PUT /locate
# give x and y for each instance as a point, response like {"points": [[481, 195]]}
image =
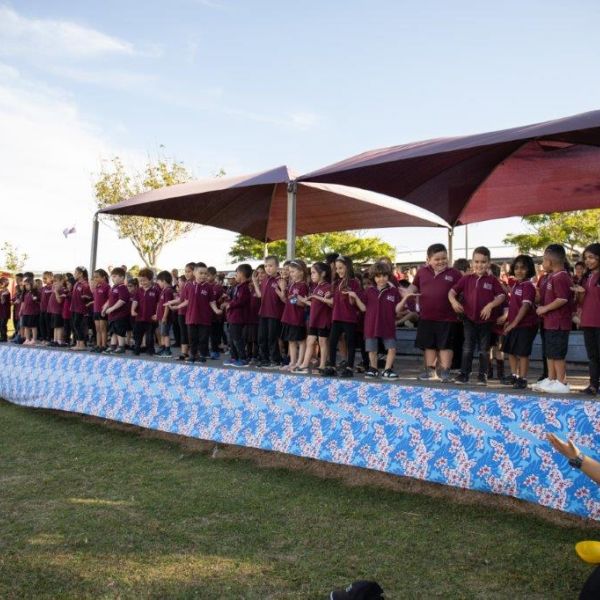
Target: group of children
{"points": [[294, 317]]}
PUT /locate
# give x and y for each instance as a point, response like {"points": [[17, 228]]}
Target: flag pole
{"points": [[94, 248]]}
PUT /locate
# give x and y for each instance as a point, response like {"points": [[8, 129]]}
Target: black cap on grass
{"points": [[359, 590]]}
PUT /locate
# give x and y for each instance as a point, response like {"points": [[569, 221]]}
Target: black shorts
{"points": [[557, 344], [98, 317], [56, 321], [293, 333], [322, 332], [119, 326], [183, 330], [435, 335], [519, 341], [251, 333], [30, 321]]}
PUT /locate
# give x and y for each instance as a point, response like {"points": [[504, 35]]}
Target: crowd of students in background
{"points": [[300, 319]]}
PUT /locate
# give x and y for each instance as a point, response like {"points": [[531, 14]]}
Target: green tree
{"points": [[148, 235], [13, 260], [574, 230], [314, 247]]}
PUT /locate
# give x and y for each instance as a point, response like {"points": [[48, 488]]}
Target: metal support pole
{"points": [[467, 242], [94, 249], [451, 246], [291, 219]]}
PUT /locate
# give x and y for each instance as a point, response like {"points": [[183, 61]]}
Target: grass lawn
{"points": [[91, 511]]}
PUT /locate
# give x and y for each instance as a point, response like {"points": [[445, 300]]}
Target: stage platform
{"points": [[489, 440]]}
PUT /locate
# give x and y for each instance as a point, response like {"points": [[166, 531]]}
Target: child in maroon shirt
{"points": [[30, 312], [521, 324], [82, 294], [45, 333], [556, 310], [216, 326], [5, 304], [143, 309], [251, 331], [118, 311], [588, 295], [55, 310], [66, 309], [100, 291], [180, 304], [164, 314], [481, 293], [344, 316]]}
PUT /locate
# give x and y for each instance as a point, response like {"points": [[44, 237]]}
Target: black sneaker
{"points": [[347, 372], [120, 350], [371, 372], [342, 365], [520, 384], [590, 390], [202, 359], [108, 350], [389, 374], [190, 359], [461, 378], [182, 357], [328, 372], [482, 379], [510, 380]]}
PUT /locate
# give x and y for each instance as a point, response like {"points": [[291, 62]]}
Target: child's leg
{"points": [[560, 368], [183, 333], [308, 353], [373, 359], [301, 352], [34, 333], [119, 340], [293, 353], [551, 369], [389, 359], [445, 359], [323, 350], [58, 334], [483, 334], [523, 368], [514, 362], [430, 357], [334, 337], [591, 337], [26, 333], [468, 347], [350, 331]]}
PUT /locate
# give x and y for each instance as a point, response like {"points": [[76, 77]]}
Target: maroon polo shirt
{"points": [[119, 292], [147, 300], [380, 316], [54, 306], [81, 295], [46, 292], [253, 314], [218, 292], [183, 295], [31, 304], [5, 304], [17, 301], [199, 296], [523, 292], [433, 302], [66, 311], [342, 309], [477, 292], [558, 286], [239, 306], [320, 313], [166, 295], [590, 309], [101, 293], [271, 305], [294, 314]]}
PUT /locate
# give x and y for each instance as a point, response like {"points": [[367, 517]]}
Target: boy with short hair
{"points": [[163, 315], [481, 293], [271, 310], [118, 311], [556, 310], [436, 329], [143, 309], [216, 327]]}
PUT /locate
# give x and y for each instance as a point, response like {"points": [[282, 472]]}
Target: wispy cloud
{"points": [[22, 36]]}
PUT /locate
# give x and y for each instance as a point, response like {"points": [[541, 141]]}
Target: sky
{"points": [[245, 86]]}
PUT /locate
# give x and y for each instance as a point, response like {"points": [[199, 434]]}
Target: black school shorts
{"points": [[119, 326], [30, 321], [557, 344], [435, 335], [56, 321], [293, 333], [322, 332], [98, 317], [519, 341]]}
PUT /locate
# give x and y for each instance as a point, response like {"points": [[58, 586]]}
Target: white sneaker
{"points": [[557, 387], [545, 385], [537, 387]]}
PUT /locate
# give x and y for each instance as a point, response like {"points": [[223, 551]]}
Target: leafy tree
{"points": [[314, 247], [574, 230], [13, 260], [148, 235]]}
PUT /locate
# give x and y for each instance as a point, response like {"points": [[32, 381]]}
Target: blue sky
{"points": [[250, 85]]}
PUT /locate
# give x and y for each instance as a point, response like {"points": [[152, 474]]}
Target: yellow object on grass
{"points": [[589, 551]]}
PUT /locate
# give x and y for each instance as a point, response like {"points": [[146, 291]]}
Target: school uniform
{"points": [[557, 323], [101, 293], [380, 316], [293, 319], [144, 325], [5, 304], [66, 315], [590, 325], [216, 326], [198, 317], [16, 302], [237, 319], [45, 326], [519, 341], [344, 319], [30, 309], [269, 324], [181, 312], [119, 319], [251, 329], [319, 318], [477, 292], [55, 309], [166, 295], [81, 295], [436, 329]]}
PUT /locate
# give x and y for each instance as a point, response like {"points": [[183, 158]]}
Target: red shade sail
{"points": [[547, 167], [256, 205]]}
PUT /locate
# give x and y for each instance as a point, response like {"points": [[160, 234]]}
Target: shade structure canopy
{"points": [[546, 167], [257, 205]]}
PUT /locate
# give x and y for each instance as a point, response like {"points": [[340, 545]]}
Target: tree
{"points": [[574, 230], [314, 247], [13, 261], [149, 236]]}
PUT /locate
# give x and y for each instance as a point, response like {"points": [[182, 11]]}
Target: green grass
{"points": [[88, 511]]}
